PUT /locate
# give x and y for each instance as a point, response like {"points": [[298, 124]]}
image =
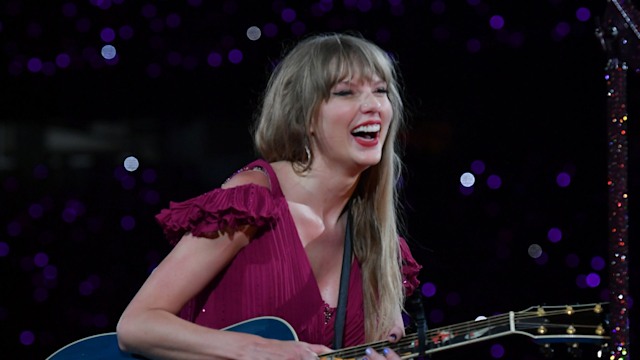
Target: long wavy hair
{"points": [[299, 84]]}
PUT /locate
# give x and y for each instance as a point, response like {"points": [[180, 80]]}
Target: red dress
{"points": [[271, 276]]}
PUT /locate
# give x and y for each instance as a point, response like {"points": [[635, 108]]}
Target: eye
{"points": [[343, 92], [382, 90]]}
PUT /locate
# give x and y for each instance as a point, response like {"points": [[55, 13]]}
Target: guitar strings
{"points": [[408, 344]]}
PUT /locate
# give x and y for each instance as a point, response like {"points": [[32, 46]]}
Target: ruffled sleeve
{"points": [[410, 269], [218, 209]]}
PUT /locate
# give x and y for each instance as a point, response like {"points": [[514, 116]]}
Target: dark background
{"points": [[78, 235]]}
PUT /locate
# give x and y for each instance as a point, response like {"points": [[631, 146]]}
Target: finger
{"points": [[311, 355], [387, 353]]}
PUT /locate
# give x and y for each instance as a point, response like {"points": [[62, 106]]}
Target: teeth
{"points": [[367, 128]]}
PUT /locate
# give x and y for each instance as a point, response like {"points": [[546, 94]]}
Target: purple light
{"points": [[128, 182], [453, 299], [298, 28], [466, 191], [41, 259], [69, 215], [34, 65], [428, 289], [496, 22], [561, 30], [128, 223], [63, 60], [50, 272], [478, 167], [583, 14], [581, 281], [154, 70], [77, 205], [288, 15], [494, 182], [563, 179], [270, 29], [326, 4], [572, 260], [40, 294], [397, 9], [597, 263], [102, 4], [593, 280], [214, 59], [36, 211], [317, 10], [438, 7], [350, 3], [235, 56], [554, 235], [542, 259], [14, 229], [364, 5], [473, 46], [27, 337], [149, 11], [85, 288], [4, 249], [107, 34], [497, 351], [173, 20], [126, 32]]}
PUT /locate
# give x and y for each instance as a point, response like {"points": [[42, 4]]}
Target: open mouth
{"points": [[367, 132]]}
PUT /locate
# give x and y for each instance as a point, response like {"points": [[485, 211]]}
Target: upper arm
{"points": [[196, 260], [192, 264]]}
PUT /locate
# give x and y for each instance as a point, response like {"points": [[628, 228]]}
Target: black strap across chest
{"points": [[344, 286]]}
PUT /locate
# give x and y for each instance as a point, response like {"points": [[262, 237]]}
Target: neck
{"points": [[325, 190]]}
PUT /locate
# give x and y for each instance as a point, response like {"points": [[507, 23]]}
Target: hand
{"points": [[286, 350], [387, 354]]}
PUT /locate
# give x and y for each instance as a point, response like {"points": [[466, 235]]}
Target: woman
{"points": [[270, 240]]}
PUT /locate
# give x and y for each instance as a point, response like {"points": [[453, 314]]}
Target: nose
{"points": [[370, 103]]}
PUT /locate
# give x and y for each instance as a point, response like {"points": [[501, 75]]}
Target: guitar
{"points": [[545, 325]]}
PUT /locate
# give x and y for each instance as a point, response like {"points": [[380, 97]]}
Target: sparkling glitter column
{"points": [[618, 208]]}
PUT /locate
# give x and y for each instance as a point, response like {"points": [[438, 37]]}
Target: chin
{"points": [[369, 161]]}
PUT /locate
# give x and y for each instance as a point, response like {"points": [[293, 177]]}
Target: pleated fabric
{"points": [[271, 276]]}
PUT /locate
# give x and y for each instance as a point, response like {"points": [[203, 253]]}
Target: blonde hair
{"points": [[297, 87]]}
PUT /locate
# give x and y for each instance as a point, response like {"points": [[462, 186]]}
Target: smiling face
{"points": [[330, 94], [352, 123]]}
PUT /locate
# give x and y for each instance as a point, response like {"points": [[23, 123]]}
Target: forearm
{"points": [[157, 334]]}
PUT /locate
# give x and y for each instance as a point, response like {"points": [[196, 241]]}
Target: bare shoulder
{"points": [[256, 176]]}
